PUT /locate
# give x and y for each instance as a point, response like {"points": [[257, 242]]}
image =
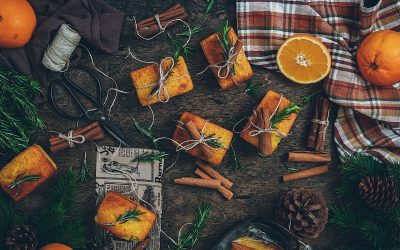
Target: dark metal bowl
{"points": [[285, 239]]}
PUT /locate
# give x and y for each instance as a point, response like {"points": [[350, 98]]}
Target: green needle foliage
{"points": [[210, 5], [130, 215], [253, 89], [19, 116], [179, 41], [307, 98], [21, 179], [214, 142], [84, 173], [54, 222], [189, 239], [151, 157], [225, 42], [283, 115], [365, 227], [147, 132]]}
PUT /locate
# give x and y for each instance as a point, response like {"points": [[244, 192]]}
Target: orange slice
{"points": [[304, 59]]}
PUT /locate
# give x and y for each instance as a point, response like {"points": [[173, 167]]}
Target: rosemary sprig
{"points": [[307, 98], [282, 115], [178, 41], [130, 215], [150, 157], [210, 4], [147, 132], [21, 179], [234, 162], [84, 173], [252, 89], [225, 42], [189, 239], [214, 142], [292, 170]]}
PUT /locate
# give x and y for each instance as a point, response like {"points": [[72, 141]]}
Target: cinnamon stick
{"points": [[305, 173], [150, 27], [198, 182], [214, 174], [312, 137], [222, 190], [323, 116], [195, 134], [309, 156], [92, 135], [142, 245], [236, 51], [54, 139], [264, 139]]}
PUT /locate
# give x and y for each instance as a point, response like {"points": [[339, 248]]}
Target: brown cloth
{"points": [[98, 23]]}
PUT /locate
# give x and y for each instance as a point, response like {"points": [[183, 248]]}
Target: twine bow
{"points": [[257, 131], [161, 88], [157, 17], [71, 138]]}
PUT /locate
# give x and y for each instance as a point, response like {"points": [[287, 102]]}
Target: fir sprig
{"points": [[19, 117], [147, 132], [188, 240], [150, 157], [279, 116], [371, 229], [130, 215]]}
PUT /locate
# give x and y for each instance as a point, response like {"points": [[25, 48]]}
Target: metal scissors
{"points": [[97, 113]]}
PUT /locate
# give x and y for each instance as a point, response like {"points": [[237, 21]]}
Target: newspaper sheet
{"points": [[146, 177]]}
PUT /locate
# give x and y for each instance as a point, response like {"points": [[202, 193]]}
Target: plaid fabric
{"points": [[263, 25]]}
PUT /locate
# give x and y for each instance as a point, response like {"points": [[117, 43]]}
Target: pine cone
{"points": [[379, 193], [21, 237], [304, 212]]}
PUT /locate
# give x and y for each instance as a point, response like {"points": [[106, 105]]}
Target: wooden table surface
{"points": [[257, 187]]}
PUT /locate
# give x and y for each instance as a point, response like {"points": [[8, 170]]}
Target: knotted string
{"points": [[257, 131], [324, 123], [161, 92], [70, 138]]}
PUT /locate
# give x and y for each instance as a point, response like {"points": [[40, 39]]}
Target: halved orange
{"points": [[304, 59]]}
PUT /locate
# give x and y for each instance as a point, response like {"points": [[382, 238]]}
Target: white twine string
{"points": [[133, 182], [70, 138], [162, 91], [56, 57], [257, 131], [324, 123]]}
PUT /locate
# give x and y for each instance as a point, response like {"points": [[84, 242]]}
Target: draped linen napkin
{"points": [[369, 120], [98, 23]]}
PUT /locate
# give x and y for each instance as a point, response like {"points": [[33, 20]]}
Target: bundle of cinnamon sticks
{"points": [[195, 134], [91, 132], [236, 51], [264, 139], [319, 123], [209, 178], [150, 26]]}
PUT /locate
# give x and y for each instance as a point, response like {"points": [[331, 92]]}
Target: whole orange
{"points": [[56, 246], [17, 23], [378, 58]]}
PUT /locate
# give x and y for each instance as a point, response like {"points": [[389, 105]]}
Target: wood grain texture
{"points": [[257, 188]]}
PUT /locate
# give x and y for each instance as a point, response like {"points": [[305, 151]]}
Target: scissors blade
{"points": [[113, 130]]}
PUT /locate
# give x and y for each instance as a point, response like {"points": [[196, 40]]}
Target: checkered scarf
{"points": [[369, 115]]}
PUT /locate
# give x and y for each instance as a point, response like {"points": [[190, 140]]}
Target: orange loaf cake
{"points": [[224, 137], [26, 172], [214, 53], [176, 83], [111, 210], [269, 102]]}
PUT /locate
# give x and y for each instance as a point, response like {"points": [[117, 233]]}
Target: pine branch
{"points": [[8, 217], [151, 157], [189, 239], [357, 167]]}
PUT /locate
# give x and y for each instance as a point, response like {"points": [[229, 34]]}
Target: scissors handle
{"points": [[73, 90]]}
